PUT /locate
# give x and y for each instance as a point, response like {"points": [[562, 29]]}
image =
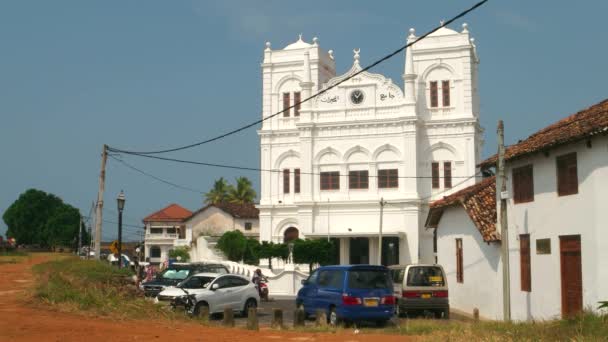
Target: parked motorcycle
{"points": [[263, 291], [187, 301]]}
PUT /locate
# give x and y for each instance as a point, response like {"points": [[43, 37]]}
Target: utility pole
{"points": [[501, 190], [382, 203], [79, 235], [328, 220], [99, 208]]}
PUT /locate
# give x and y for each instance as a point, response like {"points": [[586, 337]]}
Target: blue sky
{"points": [[145, 75]]}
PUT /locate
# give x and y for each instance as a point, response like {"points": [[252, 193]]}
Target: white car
{"points": [[217, 292]]}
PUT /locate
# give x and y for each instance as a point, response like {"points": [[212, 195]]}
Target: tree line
{"points": [[43, 219]]}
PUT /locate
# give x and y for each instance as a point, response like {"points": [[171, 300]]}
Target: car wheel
{"points": [[333, 319], [300, 306], [198, 308], [446, 313], [381, 323], [249, 304]]}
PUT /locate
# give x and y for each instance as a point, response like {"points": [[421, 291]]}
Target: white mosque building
{"points": [[335, 157]]}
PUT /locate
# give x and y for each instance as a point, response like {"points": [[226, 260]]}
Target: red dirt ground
{"points": [[20, 320]]}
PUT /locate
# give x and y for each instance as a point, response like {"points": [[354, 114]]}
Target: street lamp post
{"points": [[120, 201]]}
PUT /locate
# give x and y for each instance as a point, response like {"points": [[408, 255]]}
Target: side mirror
{"points": [[215, 287], [304, 282]]}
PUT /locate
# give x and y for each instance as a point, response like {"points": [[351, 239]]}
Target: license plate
{"points": [[370, 302], [425, 296]]}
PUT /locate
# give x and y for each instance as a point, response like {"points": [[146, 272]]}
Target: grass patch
{"points": [[585, 327], [12, 257], [93, 287]]}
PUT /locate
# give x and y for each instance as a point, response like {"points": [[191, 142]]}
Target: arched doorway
{"points": [[290, 234]]}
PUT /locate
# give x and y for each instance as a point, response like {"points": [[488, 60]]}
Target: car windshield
{"points": [[425, 276], [175, 274], [369, 279], [200, 282]]}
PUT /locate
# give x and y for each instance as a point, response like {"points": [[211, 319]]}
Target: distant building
{"points": [[337, 155], [165, 229], [216, 219], [556, 180]]}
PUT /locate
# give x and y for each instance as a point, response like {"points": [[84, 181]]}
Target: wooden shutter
{"points": [[382, 179], [334, 180], [524, 262], [296, 181], [324, 180], [286, 104], [286, 181], [296, 102], [523, 184], [434, 99], [393, 178], [567, 175], [435, 174], [459, 266], [445, 92], [447, 175]]}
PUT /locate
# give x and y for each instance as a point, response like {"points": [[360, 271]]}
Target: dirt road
{"points": [[22, 319]]}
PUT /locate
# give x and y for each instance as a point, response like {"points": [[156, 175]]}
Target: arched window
{"points": [[291, 234], [154, 252]]}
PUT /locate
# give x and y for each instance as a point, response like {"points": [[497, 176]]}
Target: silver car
{"points": [[216, 292], [419, 288]]}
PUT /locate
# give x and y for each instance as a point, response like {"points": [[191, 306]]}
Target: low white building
{"points": [[557, 179], [214, 220], [165, 230], [335, 157]]}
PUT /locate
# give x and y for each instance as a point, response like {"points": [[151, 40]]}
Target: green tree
{"points": [[252, 252], [313, 251], [243, 192], [219, 192], [182, 252], [233, 244], [266, 252], [37, 217]]}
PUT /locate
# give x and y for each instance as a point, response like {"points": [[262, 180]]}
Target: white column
{"points": [[344, 251]]}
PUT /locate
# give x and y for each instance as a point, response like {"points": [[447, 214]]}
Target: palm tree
{"points": [[219, 192], [243, 192]]}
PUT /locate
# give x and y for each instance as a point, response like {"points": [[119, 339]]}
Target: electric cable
{"points": [[324, 90]]}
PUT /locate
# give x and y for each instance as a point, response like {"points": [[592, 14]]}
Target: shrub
{"points": [[233, 244]]}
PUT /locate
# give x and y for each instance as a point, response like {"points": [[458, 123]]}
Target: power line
{"points": [[246, 168], [155, 177], [381, 60]]}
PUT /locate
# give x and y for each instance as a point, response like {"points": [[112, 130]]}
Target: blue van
{"points": [[349, 293]]}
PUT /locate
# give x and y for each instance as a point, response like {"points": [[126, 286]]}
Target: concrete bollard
{"points": [[252, 319], [476, 314], [299, 318], [321, 318], [277, 319], [228, 318]]}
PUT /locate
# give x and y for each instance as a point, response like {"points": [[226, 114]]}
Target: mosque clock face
{"points": [[356, 96]]}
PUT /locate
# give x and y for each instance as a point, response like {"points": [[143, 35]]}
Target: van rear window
{"points": [[369, 279], [425, 276]]}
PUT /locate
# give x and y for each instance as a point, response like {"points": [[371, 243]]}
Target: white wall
{"points": [[550, 216], [215, 222], [383, 131], [481, 286]]}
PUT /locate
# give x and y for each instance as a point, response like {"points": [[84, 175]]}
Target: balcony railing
{"points": [[161, 236]]}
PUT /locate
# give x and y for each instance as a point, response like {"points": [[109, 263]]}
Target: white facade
{"points": [[367, 123], [213, 221], [161, 237], [482, 266], [548, 216]]}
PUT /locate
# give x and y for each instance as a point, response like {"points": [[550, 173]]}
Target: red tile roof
{"points": [[478, 200], [173, 212], [585, 123], [242, 211]]}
